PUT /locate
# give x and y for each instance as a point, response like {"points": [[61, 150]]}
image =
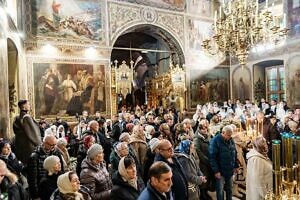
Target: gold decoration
{"points": [[239, 26]]}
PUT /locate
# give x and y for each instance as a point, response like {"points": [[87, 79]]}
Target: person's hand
{"points": [[203, 179], [218, 175], [235, 170]]}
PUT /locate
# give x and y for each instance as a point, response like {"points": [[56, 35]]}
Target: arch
{"points": [[161, 31]]}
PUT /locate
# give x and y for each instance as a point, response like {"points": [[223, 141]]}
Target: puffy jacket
{"points": [[96, 179], [222, 156]]}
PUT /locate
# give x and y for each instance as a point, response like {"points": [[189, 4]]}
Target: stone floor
{"points": [[242, 191]]}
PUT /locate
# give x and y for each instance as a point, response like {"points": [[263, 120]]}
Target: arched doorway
{"points": [[150, 48], [12, 61]]}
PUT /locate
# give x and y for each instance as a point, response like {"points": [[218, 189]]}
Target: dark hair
{"points": [[21, 103], [128, 161], [159, 168], [71, 173], [3, 143]]}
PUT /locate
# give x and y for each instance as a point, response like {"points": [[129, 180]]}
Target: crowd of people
{"points": [[145, 153]]}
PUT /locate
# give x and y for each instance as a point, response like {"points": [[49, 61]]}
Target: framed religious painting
{"points": [[209, 86], [241, 83], [66, 89]]}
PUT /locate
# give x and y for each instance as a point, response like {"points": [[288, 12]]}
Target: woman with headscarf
{"points": [[125, 181], [69, 188], [61, 146], [120, 150], [48, 183], [60, 133], [192, 171], [259, 170], [138, 143], [94, 174]]}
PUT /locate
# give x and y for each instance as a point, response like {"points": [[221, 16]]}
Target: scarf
{"points": [[124, 174]]}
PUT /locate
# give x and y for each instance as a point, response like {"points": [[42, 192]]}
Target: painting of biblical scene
{"points": [[197, 32], [294, 18], [203, 8], [209, 86], [168, 4], [67, 89], [74, 19], [241, 83], [293, 81]]}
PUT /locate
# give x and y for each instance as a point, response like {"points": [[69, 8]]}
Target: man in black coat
{"points": [[27, 132]]}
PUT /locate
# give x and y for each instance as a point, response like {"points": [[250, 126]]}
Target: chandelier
{"points": [[239, 26]]}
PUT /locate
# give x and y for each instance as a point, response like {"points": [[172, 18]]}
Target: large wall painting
{"points": [[203, 8], [293, 81], [67, 89], [209, 86], [168, 4], [294, 17], [74, 19], [241, 83]]}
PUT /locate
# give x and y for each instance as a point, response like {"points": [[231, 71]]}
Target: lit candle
{"points": [[229, 7], [233, 25], [215, 21], [220, 12], [245, 4], [267, 3], [284, 20]]}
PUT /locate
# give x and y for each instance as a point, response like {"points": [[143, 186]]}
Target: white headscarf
{"points": [[124, 174], [65, 187]]}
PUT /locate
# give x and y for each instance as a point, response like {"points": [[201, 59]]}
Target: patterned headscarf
{"points": [[184, 146]]}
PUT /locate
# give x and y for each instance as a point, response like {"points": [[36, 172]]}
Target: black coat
{"points": [[122, 190], [47, 186]]}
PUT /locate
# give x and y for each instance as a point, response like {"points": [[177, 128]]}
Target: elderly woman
{"points": [[125, 181], [138, 143], [192, 171], [259, 170], [120, 150], [61, 146], [69, 188], [48, 183], [88, 141], [94, 174]]}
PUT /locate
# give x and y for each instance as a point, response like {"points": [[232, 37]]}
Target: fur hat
{"points": [[153, 143], [94, 150], [49, 163]]}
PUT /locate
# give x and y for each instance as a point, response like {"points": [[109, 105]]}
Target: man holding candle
{"points": [[223, 160]]}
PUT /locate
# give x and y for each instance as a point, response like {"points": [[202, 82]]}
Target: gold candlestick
{"points": [[276, 167], [297, 170]]}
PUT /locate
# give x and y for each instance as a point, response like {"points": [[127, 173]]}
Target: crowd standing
{"points": [[145, 153]]}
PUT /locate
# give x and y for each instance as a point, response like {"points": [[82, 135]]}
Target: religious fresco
{"points": [[203, 8], [209, 86], [74, 19], [241, 83], [294, 17], [67, 89], [168, 4], [197, 31], [293, 81]]}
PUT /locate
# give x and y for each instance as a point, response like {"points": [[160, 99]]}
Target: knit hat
{"points": [[153, 143], [123, 136], [148, 130], [49, 163], [184, 146], [94, 150]]}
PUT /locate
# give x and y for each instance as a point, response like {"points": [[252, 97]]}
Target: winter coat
{"points": [[223, 156], [148, 162], [180, 183], [192, 172], [259, 175], [13, 164], [139, 147], [56, 195], [36, 170], [47, 186], [96, 179], [81, 155], [149, 193], [201, 146], [27, 136], [122, 190], [12, 188]]}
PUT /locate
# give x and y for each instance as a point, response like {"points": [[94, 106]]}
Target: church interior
{"points": [[193, 66]]}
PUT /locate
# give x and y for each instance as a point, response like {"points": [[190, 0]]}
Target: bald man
{"points": [[35, 163]]}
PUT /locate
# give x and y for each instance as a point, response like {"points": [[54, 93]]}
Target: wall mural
{"points": [[168, 4], [293, 83], [201, 7], [67, 89], [241, 83], [294, 17], [74, 19], [209, 86]]}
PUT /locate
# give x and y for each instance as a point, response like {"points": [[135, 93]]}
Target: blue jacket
{"points": [[222, 156], [149, 193]]}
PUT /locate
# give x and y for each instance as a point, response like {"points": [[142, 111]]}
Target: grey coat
{"points": [[27, 136], [96, 179]]}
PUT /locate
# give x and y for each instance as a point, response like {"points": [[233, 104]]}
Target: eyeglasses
{"points": [[51, 145], [168, 149]]}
